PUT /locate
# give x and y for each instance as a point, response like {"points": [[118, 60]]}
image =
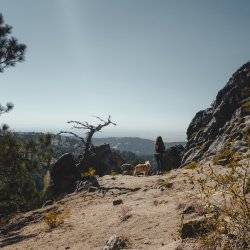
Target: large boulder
{"points": [[127, 169], [64, 174], [173, 157], [226, 122], [115, 243], [103, 160], [195, 227]]}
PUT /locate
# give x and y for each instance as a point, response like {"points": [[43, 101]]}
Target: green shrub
{"points": [[19, 159]]}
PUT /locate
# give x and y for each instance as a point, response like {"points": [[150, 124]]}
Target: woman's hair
{"points": [[159, 140], [159, 145]]}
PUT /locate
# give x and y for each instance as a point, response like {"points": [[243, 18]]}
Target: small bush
{"points": [[114, 173], [192, 165], [224, 154], [90, 172], [54, 219]]}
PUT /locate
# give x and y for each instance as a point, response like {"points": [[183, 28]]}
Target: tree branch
{"points": [[74, 134]]}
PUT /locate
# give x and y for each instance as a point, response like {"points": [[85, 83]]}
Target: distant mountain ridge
{"points": [[136, 145]]}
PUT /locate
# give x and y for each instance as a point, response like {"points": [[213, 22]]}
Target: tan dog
{"points": [[143, 168]]}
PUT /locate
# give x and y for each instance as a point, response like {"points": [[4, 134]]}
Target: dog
{"points": [[143, 168], [127, 169]]}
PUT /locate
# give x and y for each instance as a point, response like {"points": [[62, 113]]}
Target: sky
{"points": [[150, 64]]}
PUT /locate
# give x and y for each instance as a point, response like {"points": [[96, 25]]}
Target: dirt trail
{"points": [[149, 216]]}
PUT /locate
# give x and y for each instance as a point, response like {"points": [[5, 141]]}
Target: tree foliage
{"points": [[19, 162], [11, 51]]}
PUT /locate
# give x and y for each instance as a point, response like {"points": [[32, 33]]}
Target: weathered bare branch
{"points": [[91, 130], [74, 134]]}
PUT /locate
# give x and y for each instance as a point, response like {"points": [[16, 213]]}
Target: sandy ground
{"points": [[148, 218]]}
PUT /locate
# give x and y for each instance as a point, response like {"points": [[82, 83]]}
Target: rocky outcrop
{"points": [[87, 183], [225, 123], [103, 160], [64, 174], [173, 157]]}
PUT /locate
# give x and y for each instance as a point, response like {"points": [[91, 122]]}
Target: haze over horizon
{"points": [[150, 64]]}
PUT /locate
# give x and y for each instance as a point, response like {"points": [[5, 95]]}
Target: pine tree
{"points": [[11, 51], [20, 159]]}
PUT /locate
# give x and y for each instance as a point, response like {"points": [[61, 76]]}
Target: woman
{"points": [[159, 151]]}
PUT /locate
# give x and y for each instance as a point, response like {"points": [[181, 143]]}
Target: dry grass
{"points": [[226, 196]]}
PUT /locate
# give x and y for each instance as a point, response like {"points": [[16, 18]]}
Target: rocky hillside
{"points": [[226, 124]]}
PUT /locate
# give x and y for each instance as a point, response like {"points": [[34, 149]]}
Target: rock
{"points": [[64, 174], [103, 160], [195, 227], [87, 183], [117, 202], [114, 243], [127, 169], [189, 209], [240, 146], [92, 189], [226, 122], [223, 162], [47, 203], [172, 157]]}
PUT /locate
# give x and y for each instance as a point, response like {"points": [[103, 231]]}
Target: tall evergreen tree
{"points": [[20, 160], [11, 51]]}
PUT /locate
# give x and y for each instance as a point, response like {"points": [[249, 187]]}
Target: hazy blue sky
{"points": [[151, 64]]}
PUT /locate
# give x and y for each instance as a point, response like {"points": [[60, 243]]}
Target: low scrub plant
{"points": [[89, 173], [192, 165], [55, 218], [226, 195], [225, 154], [114, 173]]}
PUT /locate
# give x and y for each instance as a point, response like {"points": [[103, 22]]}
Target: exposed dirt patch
{"points": [[149, 216]]}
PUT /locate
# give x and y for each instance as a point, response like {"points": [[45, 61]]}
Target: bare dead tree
{"points": [[91, 130]]}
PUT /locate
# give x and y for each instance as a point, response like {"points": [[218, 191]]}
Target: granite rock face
{"points": [[103, 160], [226, 122], [173, 157]]}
